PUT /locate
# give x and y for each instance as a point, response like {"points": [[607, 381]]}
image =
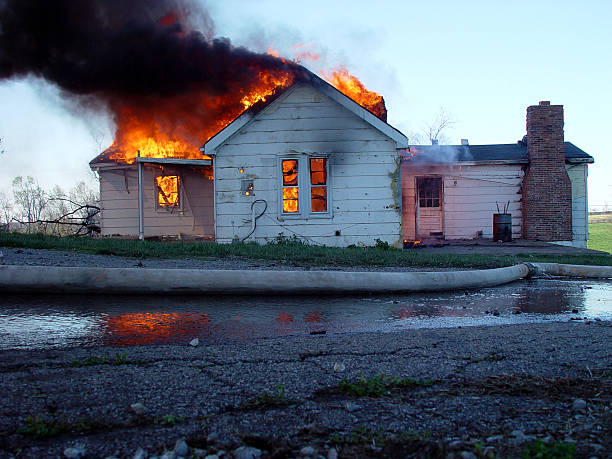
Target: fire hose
{"points": [[45, 279]]}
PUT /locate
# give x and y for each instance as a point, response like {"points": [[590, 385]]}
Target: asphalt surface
{"points": [[493, 389]]}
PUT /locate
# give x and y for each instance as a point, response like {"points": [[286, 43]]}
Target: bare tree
{"points": [[434, 131], [1, 148], [6, 211], [30, 200]]}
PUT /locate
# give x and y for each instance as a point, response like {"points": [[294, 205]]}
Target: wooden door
{"points": [[429, 207]]}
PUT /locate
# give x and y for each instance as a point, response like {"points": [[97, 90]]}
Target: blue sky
{"points": [[483, 62]]}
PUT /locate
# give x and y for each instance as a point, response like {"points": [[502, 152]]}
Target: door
{"points": [[429, 207]]}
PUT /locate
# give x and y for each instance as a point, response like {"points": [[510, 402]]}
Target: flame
{"points": [[290, 199], [177, 126], [167, 190], [350, 86]]}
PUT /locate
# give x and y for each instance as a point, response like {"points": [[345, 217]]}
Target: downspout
{"points": [[140, 201]]}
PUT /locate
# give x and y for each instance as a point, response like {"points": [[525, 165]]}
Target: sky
{"points": [[482, 62]]}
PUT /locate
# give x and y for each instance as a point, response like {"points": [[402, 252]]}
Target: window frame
{"points": [[304, 186], [179, 192]]}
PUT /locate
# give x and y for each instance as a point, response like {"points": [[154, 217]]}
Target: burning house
{"points": [[218, 142], [313, 163]]}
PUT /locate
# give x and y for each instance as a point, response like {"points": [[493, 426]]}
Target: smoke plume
{"points": [[162, 81]]}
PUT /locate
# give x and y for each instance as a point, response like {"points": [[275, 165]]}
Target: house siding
{"points": [[303, 123], [578, 177], [119, 198], [471, 195]]}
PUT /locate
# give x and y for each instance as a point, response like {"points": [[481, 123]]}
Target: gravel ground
{"points": [[494, 390], [475, 392]]}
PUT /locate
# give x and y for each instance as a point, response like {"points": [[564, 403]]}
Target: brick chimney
{"points": [[547, 191]]}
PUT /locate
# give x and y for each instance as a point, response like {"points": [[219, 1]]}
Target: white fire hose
{"points": [[195, 281]]}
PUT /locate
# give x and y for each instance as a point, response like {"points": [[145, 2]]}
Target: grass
{"points": [[266, 399], [540, 450], [600, 236], [380, 385], [283, 251], [119, 359], [38, 427], [169, 420], [363, 435]]}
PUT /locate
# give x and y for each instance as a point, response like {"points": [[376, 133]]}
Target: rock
{"points": [[332, 454], [74, 453], [211, 456], [579, 405], [518, 437], [246, 452], [181, 448], [168, 455], [308, 451], [467, 455], [455, 444], [350, 407], [339, 367], [496, 314], [212, 437], [138, 408], [140, 454], [194, 342], [495, 438]]}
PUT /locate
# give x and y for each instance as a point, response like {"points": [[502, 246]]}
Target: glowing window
{"points": [[290, 186], [167, 190], [318, 184]]}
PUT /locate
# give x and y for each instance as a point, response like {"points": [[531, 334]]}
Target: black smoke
{"points": [[119, 47]]}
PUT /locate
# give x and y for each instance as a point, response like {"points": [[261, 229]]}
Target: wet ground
{"points": [[50, 321]]}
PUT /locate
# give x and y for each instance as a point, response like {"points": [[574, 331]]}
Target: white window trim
{"points": [[304, 202]]}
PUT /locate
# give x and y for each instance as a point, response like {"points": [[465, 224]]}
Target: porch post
{"points": [[140, 201]]}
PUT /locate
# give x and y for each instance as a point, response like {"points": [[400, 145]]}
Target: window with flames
{"points": [[167, 191], [304, 193]]}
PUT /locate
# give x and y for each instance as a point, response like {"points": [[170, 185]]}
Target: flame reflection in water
{"points": [[45, 321]]}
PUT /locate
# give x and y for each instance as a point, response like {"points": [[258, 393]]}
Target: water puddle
{"points": [[46, 321]]}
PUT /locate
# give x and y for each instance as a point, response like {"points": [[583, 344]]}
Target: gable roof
{"points": [[320, 85], [495, 153]]}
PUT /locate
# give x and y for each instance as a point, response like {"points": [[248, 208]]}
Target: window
{"points": [[429, 191], [291, 202], [318, 184], [167, 187], [304, 186]]}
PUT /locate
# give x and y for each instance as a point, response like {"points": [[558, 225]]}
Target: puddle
{"points": [[46, 321]]}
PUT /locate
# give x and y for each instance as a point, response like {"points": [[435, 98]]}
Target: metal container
{"points": [[502, 227]]}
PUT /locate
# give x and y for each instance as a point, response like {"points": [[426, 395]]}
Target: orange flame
{"points": [[167, 190], [350, 86], [177, 126]]}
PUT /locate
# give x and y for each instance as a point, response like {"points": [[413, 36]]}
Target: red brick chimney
{"points": [[547, 191]]}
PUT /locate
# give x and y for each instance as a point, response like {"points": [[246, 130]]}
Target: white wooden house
{"points": [[315, 164]]}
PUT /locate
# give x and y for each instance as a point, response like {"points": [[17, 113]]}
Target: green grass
{"points": [[266, 399], [600, 236], [283, 251], [119, 359], [540, 450], [380, 385]]}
